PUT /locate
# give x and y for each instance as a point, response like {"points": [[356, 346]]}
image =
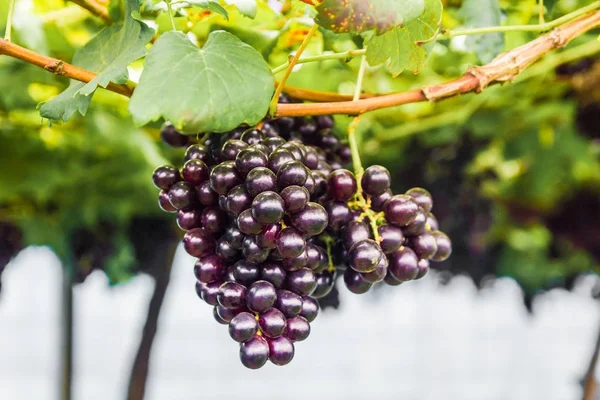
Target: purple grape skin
{"points": [[172, 137], [310, 308], [274, 273], [378, 202], [292, 173], [278, 158], [198, 242], [297, 329], [302, 282], [218, 318], [209, 269], [379, 273], [418, 226], [245, 272], [338, 214], [290, 243], [247, 224], [312, 220], [267, 208], [325, 282], [320, 188], [165, 176], [195, 172], [209, 292], [390, 280], [272, 323], [225, 250], [243, 327], [391, 238], [295, 263], [324, 122], [260, 180], [189, 219], [253, 136], [296, 148], [423, 269], [266, 239], [224, 177], [261, 296], [432, 222], [365, 255], [317, 257], [289, 303], [248, 159], [213, 219], [206, 195], [376, 180], [235, 237], [401, 210], [231, 149], [252, 252], [355, 282], [444, 246], [355, 232], [422, 198], [254, 353], [424, 245], [281, 350], [232, 295], [238, 200], [230, 274], [198, 152], [403, 264], [182, 195], [342, 185], [311, 159], [164, 203], [295, 198]]}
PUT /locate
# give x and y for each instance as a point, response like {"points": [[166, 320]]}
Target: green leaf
{"points": [[358, 16], [213, 89], [480, 14], [246, 7], [210, 5], [401, 47], [108, 54]]}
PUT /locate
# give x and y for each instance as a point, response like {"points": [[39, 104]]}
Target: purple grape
{"points": [[278, 158], [247, 224], [224, 177], [209, 269], [213, 219], [423, 269], [198, 152], [390, 280], [261, 296], [218, 318], [254, 353], [235, 237], [182, 195], [295, 263], [260, 180], [292, 173], [289, 303], [238, 200], [297, 329], [379, 273], [290, 243], [225, 250], [422, 198], [444, 246], [253, 136], [338, 214], [248, 159], [296, 148], [342, 185], [198, 242], [274, 273], [355, 232], [432, 222], [245, 272], [311, 160], [310, 308], [272, 323], [295, 198], [391, 238], [403, 264], [195, 172], [325, 282], [273, 142], [231, 149], [166, 176], [376, 180], [365, 255], [418, 226], [252, 251], [401, 210], [378, 202], [232, 295], [320, 188], [206, 195], [281, 350], [312, 220], [355, 282], [267, 238], [227, 314], [324, 122], [172, 137], [424, 245], [243, 327], [302, 281], [317, 258], [267, 208], [164, 203], [189, 219], [209, 292]]}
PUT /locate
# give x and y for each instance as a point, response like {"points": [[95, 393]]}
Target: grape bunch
{"points": [[272, 216]]}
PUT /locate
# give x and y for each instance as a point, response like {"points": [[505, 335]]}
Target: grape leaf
{"points": [[213, 89], [210, 5], [357, 16], [479, 14], [108, 53], [400, 47], [246, 7]]}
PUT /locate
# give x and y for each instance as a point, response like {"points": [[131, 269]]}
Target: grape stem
{"points": [[9, 18], [290, 67], [346, 55], [95, 8]]}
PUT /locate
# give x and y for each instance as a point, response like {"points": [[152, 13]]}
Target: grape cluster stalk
{"points": [[272, 217]]}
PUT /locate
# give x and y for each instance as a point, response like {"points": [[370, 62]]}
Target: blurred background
{"points": [[86, 256]]}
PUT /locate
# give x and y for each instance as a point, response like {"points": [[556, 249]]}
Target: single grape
{"points": [[245, 272], [230, 274], [226, 314], [213, 219], [297, 329], [311, 160], [289, 303], [198, 242], [252, 252], [281, 350], [164, 203], [310, 308], [292, 173], [243, 327], [254, 353], [391, 238], [272, 323], [422, 197], [238, 200], [253, 136], [260, 147], [310, 183], [378, 202], [312, 220], [295, 263], [182, 195], [296, 148], [260, 180], [355, 232], [324, 122], [317, 258], [403, 264], [355, 282], [376, 180], [423, 269], [320, 188], [342, 185], [224, 177], [418, 226], [365, 255], [267, 208], [189, 219], [338, 214], [218, 318], [302, 281], [198, 152], [261, 296], [206, 195], [166, 176], [267, 238], [274, 273], [235, 237], [209, 291], [225, 250], [401, 210], [432, 223], [290, 243], [248, 159], [325, 282], [247, 224], [278, 158], [444, 246], [424, 245], [232, 295], [195, 172], [231, 149], [273, 142], [173, 137], [391, 280], [209, 269], [295, 198], [379, 273]]}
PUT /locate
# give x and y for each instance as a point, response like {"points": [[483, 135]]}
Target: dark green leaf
{"points": [[480, 14]]}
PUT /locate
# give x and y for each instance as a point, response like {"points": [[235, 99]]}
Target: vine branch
{"points": [[95, 8]]}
